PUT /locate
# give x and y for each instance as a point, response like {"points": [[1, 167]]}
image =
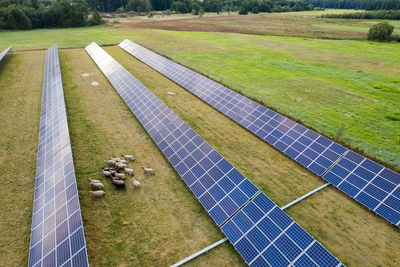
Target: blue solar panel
{"points": [[310, 149], [57, 236], [221, 188], [265, 235], [313, 151], [5, 53], [369, 183]]}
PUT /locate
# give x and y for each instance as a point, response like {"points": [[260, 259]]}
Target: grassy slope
{"points": [[354, 234], [20, 98]]}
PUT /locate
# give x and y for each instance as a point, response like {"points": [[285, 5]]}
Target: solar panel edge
{"points": [[5, 53], [123, 45], [159, 141], [68, 196], [88, 49], [313, 165], [267, 210]]}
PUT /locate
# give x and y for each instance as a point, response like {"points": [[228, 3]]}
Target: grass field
{"points": [[301, 24], [20, 98], [323, 83], [165, 223]]}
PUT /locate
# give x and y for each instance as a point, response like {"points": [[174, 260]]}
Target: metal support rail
{"points": [[206, 249]]}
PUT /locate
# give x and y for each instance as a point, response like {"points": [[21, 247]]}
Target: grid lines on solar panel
{"points": [[220, 187], [4, 53], [266, 236], [313, 151], [310, 149], [371, 184], [57, 236]]}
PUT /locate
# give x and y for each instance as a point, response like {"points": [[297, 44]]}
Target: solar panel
{"points": [[57, 235], [312, 150], [266, 236], [221, 188], [4, 53], [369, 183]]}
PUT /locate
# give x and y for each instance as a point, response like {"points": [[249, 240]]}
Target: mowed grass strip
{"points": [[354, 234], [20, 100], [157, 225]]}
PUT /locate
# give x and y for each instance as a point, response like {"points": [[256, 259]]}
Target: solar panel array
{"points": [[221, 188], [369, 183], [4, 53], [310, 149], [57, 235], [266, 236]]}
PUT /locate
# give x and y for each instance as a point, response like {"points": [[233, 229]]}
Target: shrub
{"points": [[380, 32], [150, 15], [194, 12], [18, 20], [201, 12], [96, 19], [255, 10]]}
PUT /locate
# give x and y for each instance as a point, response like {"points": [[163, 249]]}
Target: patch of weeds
{"points": [[393, 117], [384, 87]]}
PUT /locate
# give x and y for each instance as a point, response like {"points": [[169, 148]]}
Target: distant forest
{"points": [[187, 6], [28, 14], [356, 4]]}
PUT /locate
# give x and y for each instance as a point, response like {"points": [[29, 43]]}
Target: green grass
{"points": [[165, 221], [322, 83], [20, 97], [344, 226]]}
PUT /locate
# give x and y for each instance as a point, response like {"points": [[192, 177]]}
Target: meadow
{"points": [[322, 83]]}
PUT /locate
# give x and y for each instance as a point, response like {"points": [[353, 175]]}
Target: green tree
{"points": [[17, 19], [380, 32], [96, 19]]}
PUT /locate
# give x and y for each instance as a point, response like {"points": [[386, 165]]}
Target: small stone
{"points": [[85, 74], [347, 115], [125, 223], [171, 93], [94, 83]]}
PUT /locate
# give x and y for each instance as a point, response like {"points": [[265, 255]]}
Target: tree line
{"points": [[356, 4], [33, 14], [376, 14], [195, 6]]}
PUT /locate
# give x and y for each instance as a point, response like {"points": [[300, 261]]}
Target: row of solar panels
{"points": [[4, 53], [371, 184], [262, 233], [57, 235]]}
